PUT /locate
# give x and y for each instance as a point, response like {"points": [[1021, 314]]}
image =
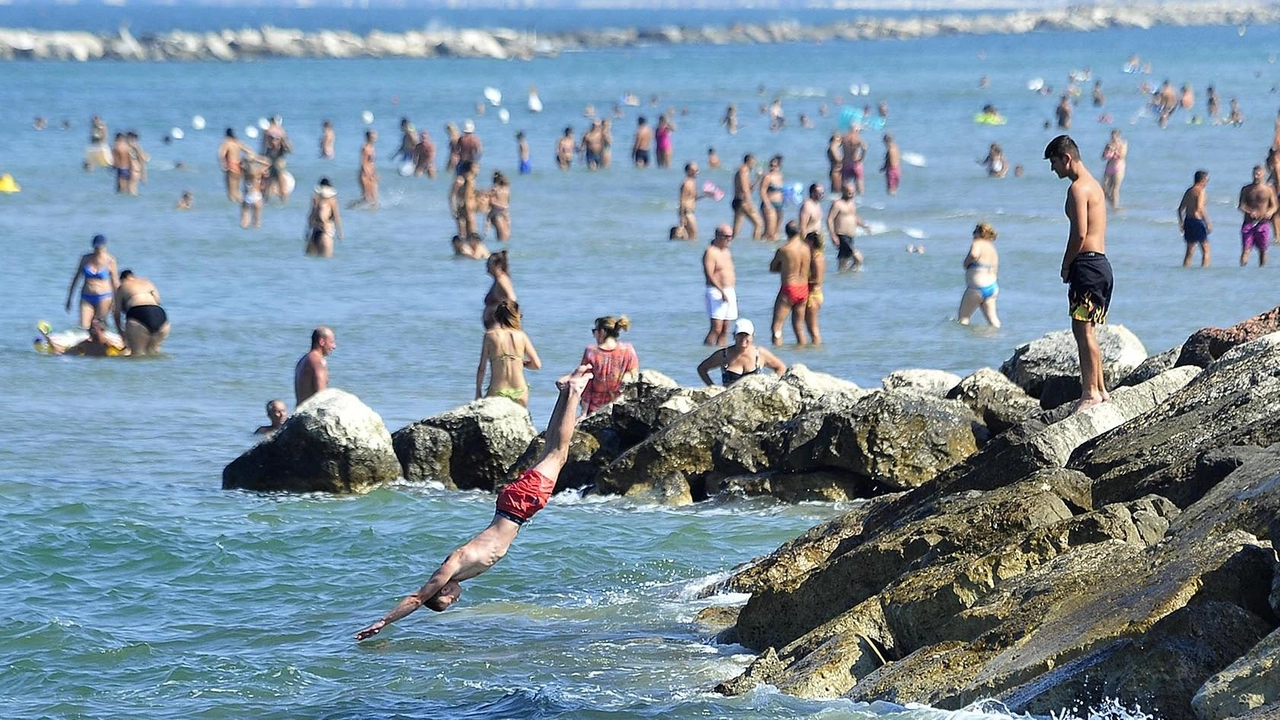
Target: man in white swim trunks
{"points": [[722, 301]]}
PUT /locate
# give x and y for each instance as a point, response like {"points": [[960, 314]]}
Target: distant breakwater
{"points": [[501, 43]]}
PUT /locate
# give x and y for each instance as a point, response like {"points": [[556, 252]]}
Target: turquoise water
{"points": [[134, 586]]}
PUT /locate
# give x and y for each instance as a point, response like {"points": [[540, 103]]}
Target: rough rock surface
{"points": [[897, 439], [1233, 401], [486, 438], [1055, 355], [932, 382], [994, 399], [1034, 445], [332, 443], [1208, 344], [1249, 684], [721, 435], [424, 453]]}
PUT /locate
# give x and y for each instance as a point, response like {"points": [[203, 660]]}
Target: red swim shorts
{"points": [[523, 498]]}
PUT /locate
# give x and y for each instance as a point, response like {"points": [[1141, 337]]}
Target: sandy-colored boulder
{"points": [[995, 399], [930, 382], [332, 443], [1208, 344]]}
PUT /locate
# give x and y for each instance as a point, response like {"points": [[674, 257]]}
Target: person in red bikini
{"points": [[517, 503]]}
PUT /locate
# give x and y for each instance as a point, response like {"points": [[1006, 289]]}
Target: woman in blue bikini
{"points": [[98, 280], [980, 267]]}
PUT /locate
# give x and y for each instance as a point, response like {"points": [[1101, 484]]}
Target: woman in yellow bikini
{"points": [[506, 351]]}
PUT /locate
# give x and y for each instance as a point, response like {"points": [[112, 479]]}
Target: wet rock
{"points": [[818, 486], [332, 443], [1055, 355], [1208, 344], [486, 438], [424, 452]]}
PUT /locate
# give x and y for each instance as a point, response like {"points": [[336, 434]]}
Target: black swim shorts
{"points": [[846, 247], [1090, 285]]}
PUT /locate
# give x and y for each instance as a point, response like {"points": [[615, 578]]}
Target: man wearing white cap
{"points": [[469, 147]]}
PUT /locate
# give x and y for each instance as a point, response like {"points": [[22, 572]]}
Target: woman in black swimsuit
{"points": [[740, 359]]}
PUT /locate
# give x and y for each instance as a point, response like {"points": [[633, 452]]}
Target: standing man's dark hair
{"points": [[1062, 146]]}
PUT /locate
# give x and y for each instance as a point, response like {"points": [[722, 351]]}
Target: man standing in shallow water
{"points": [[1085, 267], [722, 299], [1258, 204], [1194, 219], [311, 374]]}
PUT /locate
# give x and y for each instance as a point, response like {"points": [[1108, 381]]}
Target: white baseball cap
{"points": [[468, 126], [744, 325]]}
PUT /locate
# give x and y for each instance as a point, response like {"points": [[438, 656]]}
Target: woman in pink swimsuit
{"points": [[662, 139]]}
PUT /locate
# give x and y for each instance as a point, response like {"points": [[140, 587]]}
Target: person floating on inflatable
{"points": [[989, 116]]}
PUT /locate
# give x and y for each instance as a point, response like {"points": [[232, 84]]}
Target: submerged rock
{"points": [[332, 443]]}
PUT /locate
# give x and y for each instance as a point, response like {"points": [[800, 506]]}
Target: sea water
{"points": [[134, 586]]}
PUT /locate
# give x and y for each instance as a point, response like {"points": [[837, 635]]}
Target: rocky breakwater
{"points": [[502, 43], [1120, 552]]}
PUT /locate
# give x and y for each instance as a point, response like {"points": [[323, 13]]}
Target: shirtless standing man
{"points": [[810, 213], [1258, 204], [230, 154], [424, 156], [368, 176], [1194, 220], [743, 207], [892, 167], [122, 161], [687, 218], [843, 223], [792, 261], [517, 503], [1085, 267], [327, 140], [722, 299], [643, 141], [522, 153], [311, 374], [854, 151], [469, 147]]}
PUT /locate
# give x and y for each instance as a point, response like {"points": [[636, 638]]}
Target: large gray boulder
{"points": [[486, 437], [1233, 401], [898, 439], [425, 452], [1055, 355], [332, 443]]}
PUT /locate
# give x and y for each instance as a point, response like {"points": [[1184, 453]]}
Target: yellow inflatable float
{"points": [[8, 184]]}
